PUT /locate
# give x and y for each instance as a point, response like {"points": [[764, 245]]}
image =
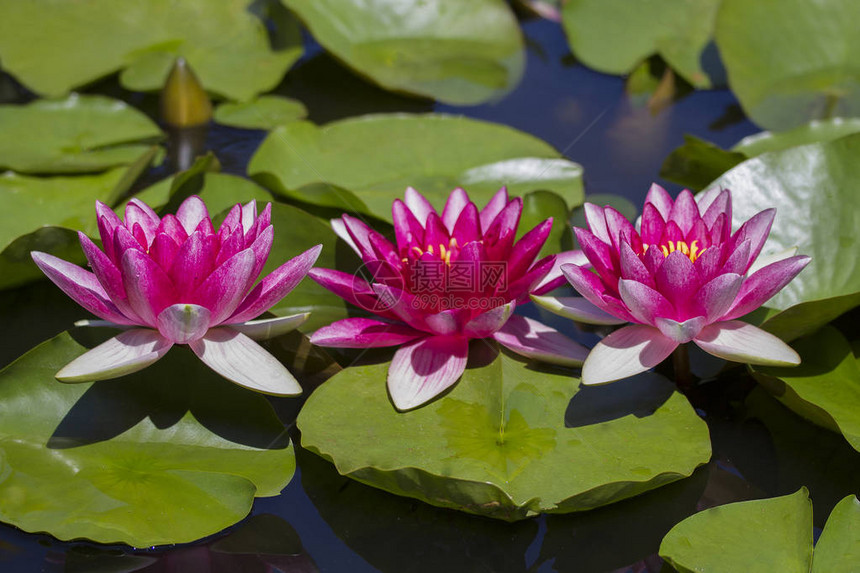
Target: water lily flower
{"points": [[176, 280], [449, 279], [682, 277]]}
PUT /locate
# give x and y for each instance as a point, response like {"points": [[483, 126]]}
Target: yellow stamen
{"points": [[430, 249], [665, 250], [418, 251], [692, 250], [444, 254], [453, 243]]}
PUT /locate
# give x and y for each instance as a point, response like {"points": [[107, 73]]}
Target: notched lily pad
{"points": [[462, 53], [766, 535], [363, 164], [509, 441], [825, 388], [167, 455], [78, 134], [816, 190], [265, 112]]}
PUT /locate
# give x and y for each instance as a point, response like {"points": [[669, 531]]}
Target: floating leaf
{"points": [[615, 36], [825, 388], [44, 213], [461, 53], [697, 163], [82, 133], [766, 535], [815, 75], [813, 132], [816, 189], [167, 455], [508, 441], [377, 157], [78, 42], [265, 112]]}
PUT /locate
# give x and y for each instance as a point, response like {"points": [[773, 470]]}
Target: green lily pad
{"points": [[461, 53], [615, 36], [815, 75], [825, 388], [377, 157], [265, 112], [766, 535], [510, 440], [44, 213], [816, 189], [82, 133], [698, 162], [167, 455], [75, 43], [816, 131]]}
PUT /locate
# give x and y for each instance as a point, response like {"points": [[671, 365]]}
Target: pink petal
{"points": [[522, 287], [123, 354], [756, 230], [678, 281], [353, 289], [763, 284], [600, 256], [148, 287], [364, 333], [231, 222], [739, 260], [422, 370], [249, 215], [276, 285], [625, 352], [408, 231], [241, 360], [527, 248], [360, 234], [261, 246], [681, 332], [107, 223], [435, 232], [685, 212], [716, 296], [555, 278], [163, 251], [418, 204], [708, 263], [660, 199], [224, 288], [652, 225], [633, 268], [182, 323], [645, 303], [444, 322], [170, 225], [403, 305], [467, 228], [589, 285], [266, 328], [80, 285], [536, 340], [193, 262], [191, 212], [489, 322], [139, 213], [596, 220], [109, 277], [123, 241], [722, 203], [493, 208], [457, 201], [339, 228], [741, 342], [502, 232], [619, 228], [576, 308], [230, 245]]}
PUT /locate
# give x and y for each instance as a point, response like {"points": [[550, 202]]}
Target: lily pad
{"points": [[461, 53], [698, 162], [75, 135], [766, 535], [815, 75], [825, 388], [816, 189], [167, 455], [816, 131], [265, 112], [615, 36], [75, 43], [44, 213], [510, 440], [377, 157]]}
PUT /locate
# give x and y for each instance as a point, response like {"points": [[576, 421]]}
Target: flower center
{"points": [[692, 250], [444, 253]]}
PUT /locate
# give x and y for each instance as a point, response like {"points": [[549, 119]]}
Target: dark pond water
{"points": [[328, 523]]}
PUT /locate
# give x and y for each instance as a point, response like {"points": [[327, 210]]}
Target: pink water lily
{"points": [[449, 279], [177, 280], [682, 277]]}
